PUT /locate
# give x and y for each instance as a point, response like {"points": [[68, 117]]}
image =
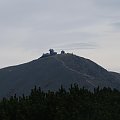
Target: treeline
{"points": [[73, 104]]}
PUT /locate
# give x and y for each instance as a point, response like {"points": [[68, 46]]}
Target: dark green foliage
{"points": [[75, 104]]}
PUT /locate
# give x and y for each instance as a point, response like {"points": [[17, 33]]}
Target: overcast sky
{"points": [[88, 28]]}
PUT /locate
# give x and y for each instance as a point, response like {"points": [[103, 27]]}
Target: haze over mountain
{"points": [[53, 70]]}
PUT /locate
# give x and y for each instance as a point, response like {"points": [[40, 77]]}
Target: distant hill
{"points": [[52, 71]]}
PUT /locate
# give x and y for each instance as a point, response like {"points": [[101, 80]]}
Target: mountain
{"points": [[51, 71]]}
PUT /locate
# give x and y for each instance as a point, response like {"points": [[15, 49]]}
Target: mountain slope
{"points": [[52, 72]]}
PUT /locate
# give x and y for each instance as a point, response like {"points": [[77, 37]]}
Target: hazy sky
{"points": [[89, 28]]}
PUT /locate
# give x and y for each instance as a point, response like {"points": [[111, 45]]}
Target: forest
{"points": [[73, 104]]}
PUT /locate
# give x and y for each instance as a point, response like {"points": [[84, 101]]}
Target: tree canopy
{"points": [[73, 104]]}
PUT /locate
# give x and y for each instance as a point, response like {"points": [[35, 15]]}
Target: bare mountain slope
{"points": [[53, 71]]}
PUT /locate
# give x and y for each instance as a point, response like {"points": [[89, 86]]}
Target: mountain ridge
{"points": [[51, 72]]}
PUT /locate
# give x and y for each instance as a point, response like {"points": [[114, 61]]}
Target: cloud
{"points": [[116, 25], [75, 46], [111, 5]]}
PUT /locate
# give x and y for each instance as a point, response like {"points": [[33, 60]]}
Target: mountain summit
{"points": [[52, 70]]}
